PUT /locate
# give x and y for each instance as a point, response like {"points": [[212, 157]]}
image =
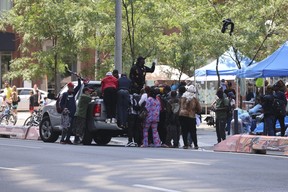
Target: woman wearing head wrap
{"points": [[189, 107], [153, 107]]}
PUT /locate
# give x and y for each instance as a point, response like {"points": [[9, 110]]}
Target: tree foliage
{"points": [[182, 34]]}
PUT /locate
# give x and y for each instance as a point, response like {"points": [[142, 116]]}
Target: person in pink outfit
{"points": [[153, 107]]}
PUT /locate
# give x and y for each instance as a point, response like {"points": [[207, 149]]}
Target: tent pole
{"points": [[206, 111], [237, 92]]}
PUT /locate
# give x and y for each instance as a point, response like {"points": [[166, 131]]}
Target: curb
{"points": [[254, 144], [20, 132]]}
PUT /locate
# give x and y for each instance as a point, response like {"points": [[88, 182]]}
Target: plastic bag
{"points": [[198, 120]]}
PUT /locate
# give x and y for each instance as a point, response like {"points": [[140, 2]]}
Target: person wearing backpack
{"points": [[134, 124], [189, 107], [68, 104], [280, 107], [163, 98], [79, 121], [268, 111], [221, 108], [172, 121]]}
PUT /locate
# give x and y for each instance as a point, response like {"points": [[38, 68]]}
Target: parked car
{"points": [[96, 127], [24, 94]]}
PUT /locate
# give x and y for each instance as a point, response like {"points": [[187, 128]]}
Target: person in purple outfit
{"points": [[153, 107]]}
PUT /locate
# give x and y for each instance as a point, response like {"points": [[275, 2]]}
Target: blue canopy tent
{"points": [[275, 65]]}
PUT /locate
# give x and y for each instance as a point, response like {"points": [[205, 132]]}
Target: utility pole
{"points": [[118, 36]]}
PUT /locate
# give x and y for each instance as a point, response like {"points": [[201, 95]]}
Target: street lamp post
{"points": [[118, 36]]}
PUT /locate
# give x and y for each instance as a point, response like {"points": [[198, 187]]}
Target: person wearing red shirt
{"points": [[109, 86]]}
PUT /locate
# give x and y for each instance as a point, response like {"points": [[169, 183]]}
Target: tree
{"points": [[65, 25]]}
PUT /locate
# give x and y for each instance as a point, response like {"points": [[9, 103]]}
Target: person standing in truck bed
{"points": [[109, 86]]}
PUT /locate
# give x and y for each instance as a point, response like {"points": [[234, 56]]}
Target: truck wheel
{"points": [[102, 140], [46, 132], [86, 138]]}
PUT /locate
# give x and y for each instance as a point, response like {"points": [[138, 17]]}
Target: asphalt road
{"points": [[34, 166]]}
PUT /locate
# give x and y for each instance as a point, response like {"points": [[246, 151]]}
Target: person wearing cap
{"points": [[189, 107], [68, 104], [138, 74], [109, 87], [231, 98], [79, 121]]}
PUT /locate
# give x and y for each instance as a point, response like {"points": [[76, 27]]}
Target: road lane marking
{"points": [[154, 188], [10, 169], [29, 147], [178, 161]]}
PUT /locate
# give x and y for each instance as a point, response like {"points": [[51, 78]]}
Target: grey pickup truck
{"points": [[97, 129]]}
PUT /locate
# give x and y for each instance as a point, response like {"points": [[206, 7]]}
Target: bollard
{"points": [[236, 128]]}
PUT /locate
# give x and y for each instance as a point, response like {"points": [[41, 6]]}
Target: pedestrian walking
{"points": [[220, 107]]}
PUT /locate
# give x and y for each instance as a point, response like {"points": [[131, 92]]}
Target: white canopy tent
{"points": [[166, 73], [227, 70]]}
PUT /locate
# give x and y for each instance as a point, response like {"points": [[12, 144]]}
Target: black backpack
{"points": [[134, 102], [59, 109], [279, 106]]}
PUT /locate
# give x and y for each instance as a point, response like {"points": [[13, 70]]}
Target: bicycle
{"points": [[34, 119], [8, 117]]}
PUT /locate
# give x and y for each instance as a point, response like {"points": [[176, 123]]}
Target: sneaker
{"points": [[165, 146], [129, 144], [108, 120], [185, 147], [62, 142], [77, 142], [114, 121], [196, 147], [68, 142]]}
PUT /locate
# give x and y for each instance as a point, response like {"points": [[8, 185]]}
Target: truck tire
{"points": [[102, 140], [46, 132], [86, 138]]}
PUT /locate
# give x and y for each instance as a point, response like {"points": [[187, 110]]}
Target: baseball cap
{"points": [[70, 84], [109, 73]]}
